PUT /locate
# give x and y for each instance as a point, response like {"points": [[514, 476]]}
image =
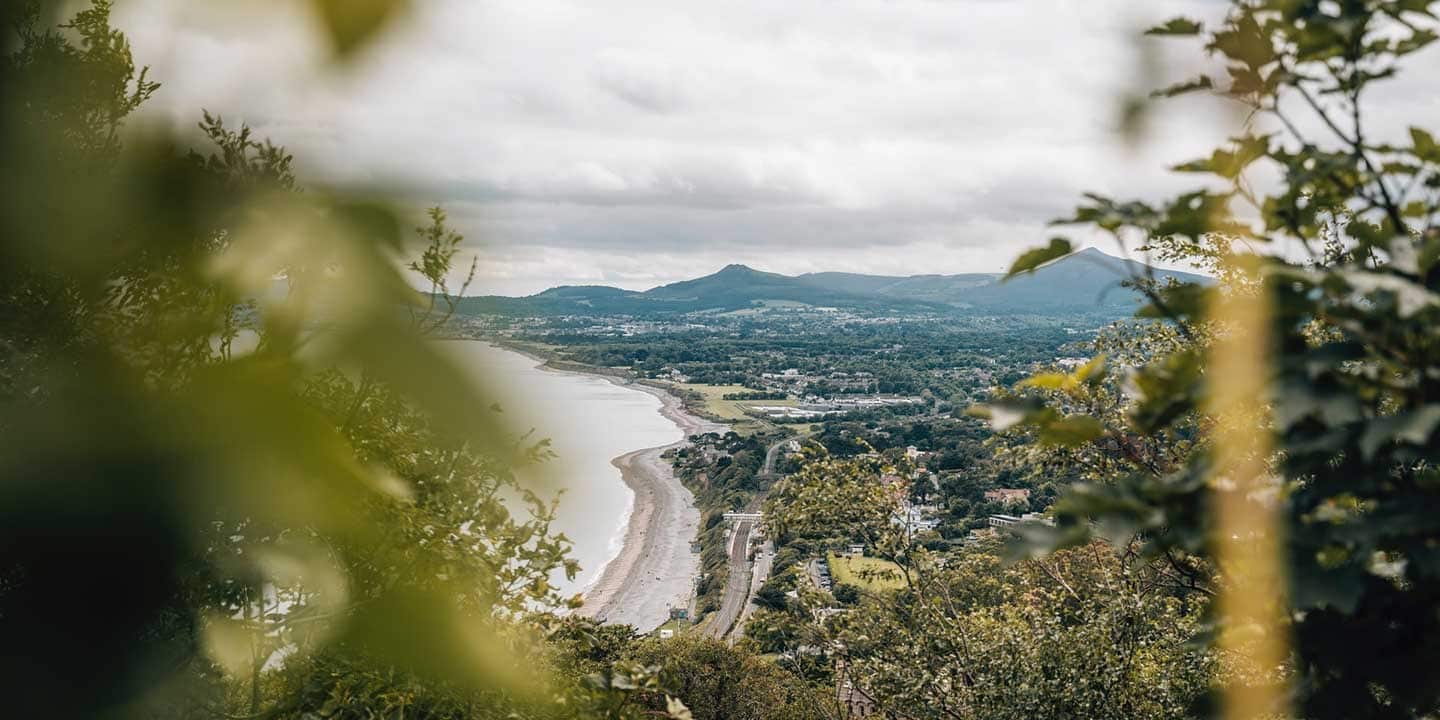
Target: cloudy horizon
{"points": [[648, 142]]}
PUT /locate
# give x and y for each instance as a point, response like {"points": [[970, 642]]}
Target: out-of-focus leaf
{"points": [[1424, 145], [1230, 163], [1164, 390], [1192, 215], [1071, 430], [350, 24], [1244, 41], [228, 643], [1005, 414], [1093, 371], [1045, 381], [426, 634], [1176, 26], [1178, 301], [1196, 84], [1410, 297], [1032, 259], [677, 710]]}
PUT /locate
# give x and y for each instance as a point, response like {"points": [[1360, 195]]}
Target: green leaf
{"points": [[1418, 40], [1230, 163], [1090, 373], [1429, 253], [1196, 84], [1424, 144], [1177, 26], [1093, 371], [1071, 430], [352, 23], [1046, 381], [1032, 259], [1193, 215], [1166, 390], [1244, 42]]}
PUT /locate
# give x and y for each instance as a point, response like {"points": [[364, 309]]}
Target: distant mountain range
{"points": [[1087, 282]]}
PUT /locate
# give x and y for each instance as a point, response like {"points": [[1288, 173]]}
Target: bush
{"points": [[846, 594]]}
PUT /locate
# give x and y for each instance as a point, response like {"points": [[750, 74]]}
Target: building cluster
{"points": [[814, 407], [1008, 495], [795, 382]]}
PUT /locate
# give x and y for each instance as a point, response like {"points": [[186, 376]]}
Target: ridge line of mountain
{"points": [[1084, 282]]}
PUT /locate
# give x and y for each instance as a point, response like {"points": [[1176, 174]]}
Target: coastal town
{"points": [[753, 410]]}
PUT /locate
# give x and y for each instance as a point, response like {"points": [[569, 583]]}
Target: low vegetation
{"points": [[869, 574]]}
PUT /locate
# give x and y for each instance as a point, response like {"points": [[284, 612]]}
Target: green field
{"points": [[733, 411], [866, 573]]}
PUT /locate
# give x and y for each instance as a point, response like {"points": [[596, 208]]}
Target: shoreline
{"points": [[654, 568]]}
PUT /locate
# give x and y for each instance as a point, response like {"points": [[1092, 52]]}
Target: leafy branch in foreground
{"points": [[236, 479], [1345, 345]]}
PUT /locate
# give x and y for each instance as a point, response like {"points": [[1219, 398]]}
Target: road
{"points": [[737, 585], [768, 469]]}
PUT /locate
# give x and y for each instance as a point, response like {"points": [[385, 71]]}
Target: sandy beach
{"points": [[654, 569]]}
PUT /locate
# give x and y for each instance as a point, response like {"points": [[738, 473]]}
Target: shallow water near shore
{"points": [[590, 421]]}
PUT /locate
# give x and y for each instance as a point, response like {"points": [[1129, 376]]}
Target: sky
{"points": [[639, 142]]}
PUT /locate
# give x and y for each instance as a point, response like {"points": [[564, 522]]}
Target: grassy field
{"points": [[732, 410], [866, 573]]}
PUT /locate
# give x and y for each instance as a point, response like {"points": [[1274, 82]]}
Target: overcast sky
{"points": [[639, 142]]}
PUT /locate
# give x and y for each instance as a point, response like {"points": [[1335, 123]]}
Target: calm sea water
{"points": [[589, 422]]}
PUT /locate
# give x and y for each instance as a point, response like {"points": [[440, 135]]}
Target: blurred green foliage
{"points": [[236, 479], [1353, 363]]}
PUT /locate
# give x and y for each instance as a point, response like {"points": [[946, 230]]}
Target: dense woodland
{"points": [[910, 358], [220, 498]]}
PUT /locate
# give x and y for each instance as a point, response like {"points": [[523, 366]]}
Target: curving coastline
{"points": [[654, 568]]}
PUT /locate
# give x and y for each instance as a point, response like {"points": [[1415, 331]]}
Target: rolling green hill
{"points": [[1088, 282]]}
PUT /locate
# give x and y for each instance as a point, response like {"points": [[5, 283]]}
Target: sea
{"points": [[589, 422]]}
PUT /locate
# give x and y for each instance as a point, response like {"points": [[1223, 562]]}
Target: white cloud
{"points": [[643, 141]]}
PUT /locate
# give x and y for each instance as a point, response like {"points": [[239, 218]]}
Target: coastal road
{"points": [[774, 451], [767, 471], [737, 585]]}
